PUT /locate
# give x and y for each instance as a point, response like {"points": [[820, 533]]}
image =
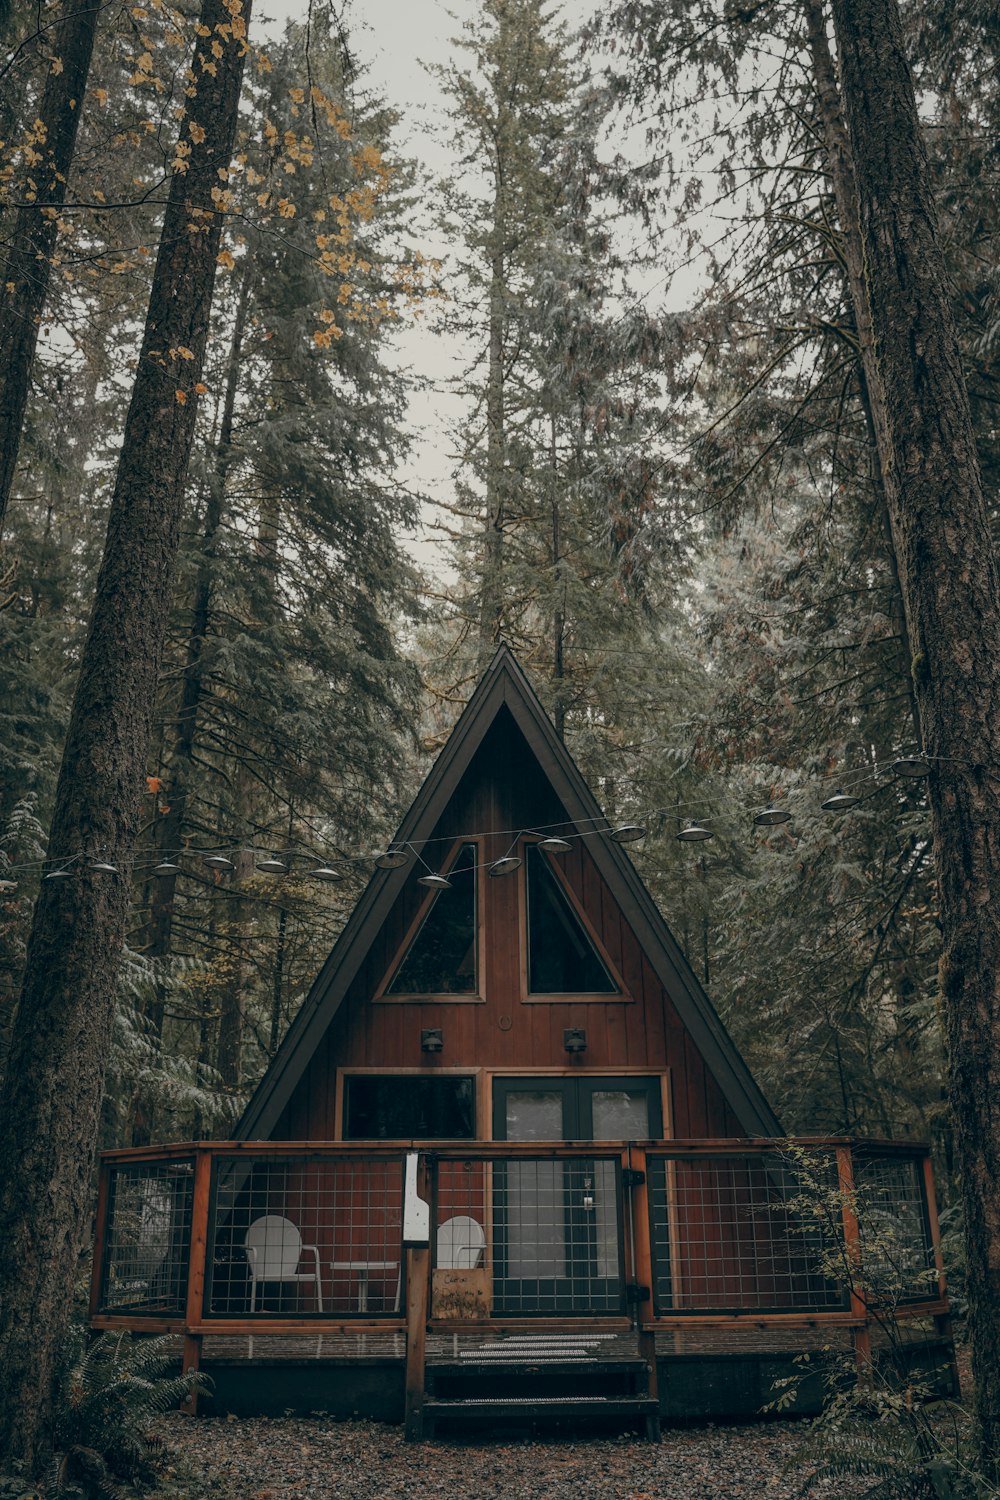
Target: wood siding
{"points": [[505, 789]]}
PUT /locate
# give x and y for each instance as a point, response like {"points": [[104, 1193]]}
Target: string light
{"points": [[771, 817], [912, 766], [840, 801], [393, 858], [695, 833], [628, 833]]}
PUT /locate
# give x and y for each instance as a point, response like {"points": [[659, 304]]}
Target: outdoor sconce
{"points": [[575, 1039], [432, 1040]]}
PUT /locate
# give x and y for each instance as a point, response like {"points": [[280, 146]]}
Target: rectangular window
{"points": [[408, 1107]]}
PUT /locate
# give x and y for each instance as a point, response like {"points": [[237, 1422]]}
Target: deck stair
{"points": [[541, 1380]]}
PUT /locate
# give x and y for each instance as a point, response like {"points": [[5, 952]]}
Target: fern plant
{"points": [[885, 1422], [111, 1391]]}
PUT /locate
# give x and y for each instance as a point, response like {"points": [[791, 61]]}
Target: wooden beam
{"points": [[852, 1246], [418, 1276], [194, 1310]]}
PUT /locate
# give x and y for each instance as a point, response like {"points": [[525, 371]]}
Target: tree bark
{"points": [[24, 281], [170, 827], [840, 169], [951, 592], [54, 1084], [491, 605]]}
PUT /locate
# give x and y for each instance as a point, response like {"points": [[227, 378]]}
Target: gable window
{"points": [[401, 1107], [562, 956], [441, 958]]}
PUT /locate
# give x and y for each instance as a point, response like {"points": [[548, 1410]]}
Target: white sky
{"points": [[393, 38]]}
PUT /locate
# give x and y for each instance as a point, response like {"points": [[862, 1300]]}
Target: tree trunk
{"points": [[25, 278], [840, 169], [170, 827], [558, 593], [951, 592], [491, 607], [54, 1084]]}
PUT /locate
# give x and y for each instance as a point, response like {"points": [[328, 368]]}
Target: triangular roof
{"points": [[504, 685]]}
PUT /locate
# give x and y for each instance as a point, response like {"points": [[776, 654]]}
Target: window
{"points": [[400, 1107], [441, 959], [562, 958]]}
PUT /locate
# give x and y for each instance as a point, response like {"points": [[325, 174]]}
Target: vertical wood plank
{"points": [[942, 1321], [852, 1244], [194, 1311], [642, 1246], [418, 1276]]}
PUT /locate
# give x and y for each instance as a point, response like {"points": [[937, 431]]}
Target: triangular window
{"points": [[562, 958], [441, 959]]}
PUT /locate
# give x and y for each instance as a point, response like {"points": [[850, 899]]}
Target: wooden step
{"points": [[532, 1411]]}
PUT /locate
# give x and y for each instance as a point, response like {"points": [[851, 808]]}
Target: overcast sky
{"points": [[394, 38]]}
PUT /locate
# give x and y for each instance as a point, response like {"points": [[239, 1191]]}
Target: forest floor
{"points": [[321, 1459]]}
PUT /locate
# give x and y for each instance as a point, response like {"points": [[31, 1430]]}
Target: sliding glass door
{"points": [[558, 1232]]}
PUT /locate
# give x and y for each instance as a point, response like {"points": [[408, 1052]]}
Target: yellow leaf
{"points": [[201, 388], [184, 352], [101, 95], [180, 397], [197, 133], [57, 65], [286, 209], [224, 258]]}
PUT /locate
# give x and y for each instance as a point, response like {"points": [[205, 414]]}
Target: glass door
{"points": [[558, 1241]]}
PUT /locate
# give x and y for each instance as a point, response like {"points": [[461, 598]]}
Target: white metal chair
{"points": [[460, 1244], [274, 1248]]}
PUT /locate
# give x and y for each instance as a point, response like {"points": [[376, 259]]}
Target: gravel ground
{"points": [[320, 1459]]}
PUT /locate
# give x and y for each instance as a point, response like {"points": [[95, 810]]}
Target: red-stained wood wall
{"points": [[505, 790]]}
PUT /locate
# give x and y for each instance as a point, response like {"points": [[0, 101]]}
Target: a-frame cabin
{"points": [[502, 966], [508, 1114]]}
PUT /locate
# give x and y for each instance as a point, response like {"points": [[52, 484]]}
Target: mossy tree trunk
{"points": [[54, 1084], [24, 281], [951, 592]]}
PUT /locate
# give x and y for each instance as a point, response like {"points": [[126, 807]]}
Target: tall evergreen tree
{"points": [[54, 1082]]}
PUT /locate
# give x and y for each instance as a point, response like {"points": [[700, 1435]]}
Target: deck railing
{"points": [[279, 1237]]}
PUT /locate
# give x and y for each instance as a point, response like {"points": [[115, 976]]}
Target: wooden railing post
{"points": [[196, 1269], [852, 1247], [645, 1285], [942, 1321], [418, 1279]]}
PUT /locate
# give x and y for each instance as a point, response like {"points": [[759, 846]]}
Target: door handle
{"points": [[588, 1196]]}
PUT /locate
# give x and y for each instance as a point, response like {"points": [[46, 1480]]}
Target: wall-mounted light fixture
{"points": [[575, 1039], [431, 1040]]}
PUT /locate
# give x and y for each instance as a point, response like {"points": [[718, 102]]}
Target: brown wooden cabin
{"points": [[507, 1140]]}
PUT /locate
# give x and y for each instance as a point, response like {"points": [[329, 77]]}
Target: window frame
{"points": [[344, 1075], [623, 994], [476, 996]]}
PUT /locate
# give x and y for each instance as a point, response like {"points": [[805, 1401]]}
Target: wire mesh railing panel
{"points": [[306, 1236], [538, 1236], [737, 1233], [897, 1253], [147, 1238]]}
